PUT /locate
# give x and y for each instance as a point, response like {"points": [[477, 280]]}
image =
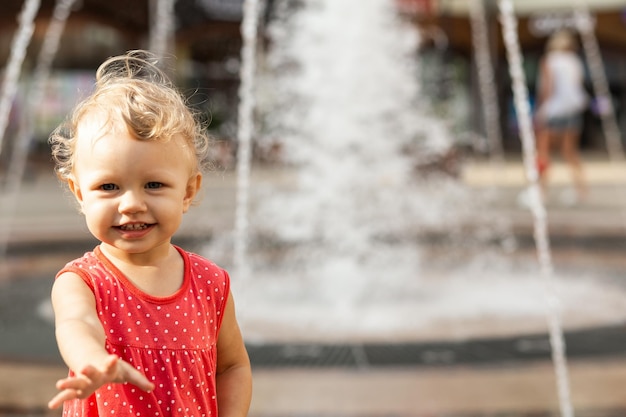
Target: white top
{"points": [[567, 95]]}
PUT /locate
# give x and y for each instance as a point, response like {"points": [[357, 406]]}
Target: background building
{"points": [[446, 26], [207, 45]]}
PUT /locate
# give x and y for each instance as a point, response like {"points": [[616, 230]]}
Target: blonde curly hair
{"points": [[132, 88]]}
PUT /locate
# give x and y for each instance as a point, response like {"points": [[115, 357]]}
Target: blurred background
{"points": [[389, 264]]}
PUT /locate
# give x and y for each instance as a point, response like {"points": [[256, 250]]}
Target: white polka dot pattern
{"points": [[171, 339]]}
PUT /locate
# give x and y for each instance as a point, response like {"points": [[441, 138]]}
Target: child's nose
{"points": [[131, 202]]}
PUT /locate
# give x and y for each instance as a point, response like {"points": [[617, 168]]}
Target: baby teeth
{"points": [[134, 226]]}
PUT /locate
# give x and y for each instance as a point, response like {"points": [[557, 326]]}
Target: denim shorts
{"points": [[569, 122]]}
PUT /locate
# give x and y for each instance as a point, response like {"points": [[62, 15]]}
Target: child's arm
{"points": [[81, 341], [234, 376]]}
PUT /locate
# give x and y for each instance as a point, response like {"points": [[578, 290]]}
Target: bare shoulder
{"points": [[71, 295], [69, 281]]}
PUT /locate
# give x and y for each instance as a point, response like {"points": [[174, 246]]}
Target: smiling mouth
{"points": [[134, 226]]}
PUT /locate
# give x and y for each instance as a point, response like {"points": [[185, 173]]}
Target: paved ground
{"points": [[503, 390], [45, 220]]}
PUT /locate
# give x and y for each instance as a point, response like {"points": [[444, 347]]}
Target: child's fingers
{"points": [[90, 378], [136, 378], [77, 383], [90, 373], [108, 372], [110, 363], [61, 397]]}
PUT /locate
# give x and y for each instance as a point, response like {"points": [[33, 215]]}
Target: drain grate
{"points": [[606, 341], [301, 355]]}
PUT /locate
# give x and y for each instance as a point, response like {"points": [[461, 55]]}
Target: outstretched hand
{"points": [[88, 380]]}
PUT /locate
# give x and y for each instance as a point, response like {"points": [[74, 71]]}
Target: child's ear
{"points": [[78, 194], [75, 189], [193, 187]]}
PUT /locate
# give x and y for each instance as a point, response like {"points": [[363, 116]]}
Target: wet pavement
{"points": [[489, 376]]}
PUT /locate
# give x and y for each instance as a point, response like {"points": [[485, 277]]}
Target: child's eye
{"points": [[154, 184], [108, 187]]}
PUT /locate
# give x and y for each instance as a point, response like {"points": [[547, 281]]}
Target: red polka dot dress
{"points": [[172, 340]]}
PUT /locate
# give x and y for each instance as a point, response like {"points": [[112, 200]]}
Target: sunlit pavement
{"points": [[46, 220], [489, 390]]}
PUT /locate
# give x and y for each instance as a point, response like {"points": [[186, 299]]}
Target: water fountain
{"points": [[357, 244], [9, 92], [35, 95], [349, 229], [537, 206], [353, 152]]}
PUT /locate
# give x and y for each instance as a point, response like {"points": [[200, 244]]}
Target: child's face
{"points": [[133, 193]]}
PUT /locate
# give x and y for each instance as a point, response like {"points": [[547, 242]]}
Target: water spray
{"points": [[537, 207]]}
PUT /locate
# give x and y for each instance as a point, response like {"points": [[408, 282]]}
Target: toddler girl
{"points": [[146, 328]]}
